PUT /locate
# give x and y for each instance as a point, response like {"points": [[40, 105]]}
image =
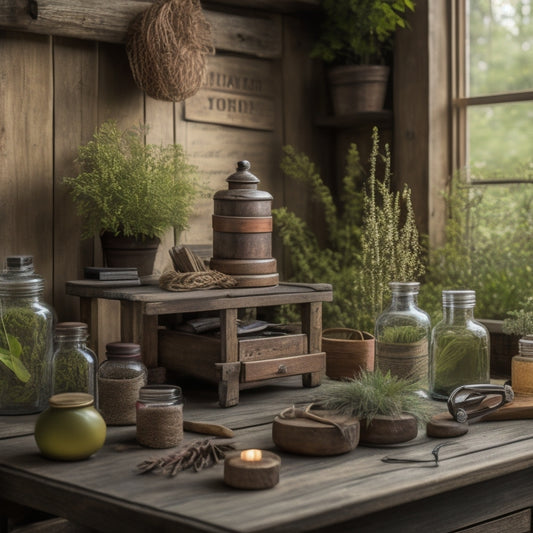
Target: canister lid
{"points": [[69, 400], [19, 278], [407, 287], [459, 298], [71, 329], [123, 350], [163, 393], [525, 346], [242, 185]]}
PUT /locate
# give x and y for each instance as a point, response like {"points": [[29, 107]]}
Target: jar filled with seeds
{"points": [[160, 416], [74, 365], [120, 378]]}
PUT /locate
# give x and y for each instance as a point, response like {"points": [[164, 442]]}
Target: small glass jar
{"points": [[26, 339], [74, 365], [402, 335], [71, 428], [522, 367], [120, 378], [160, 416], [460, 346]]}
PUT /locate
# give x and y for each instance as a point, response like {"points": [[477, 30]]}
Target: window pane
{"points": [[500, 46], [501, 140]]}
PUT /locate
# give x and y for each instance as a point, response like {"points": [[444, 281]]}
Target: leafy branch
{"points": [[11, 357]]}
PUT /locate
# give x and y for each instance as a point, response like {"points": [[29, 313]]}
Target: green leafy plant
{"points": [[371, 239], [372, 394], [520, 321], [11, 355], [131, 188], [359, 31]]}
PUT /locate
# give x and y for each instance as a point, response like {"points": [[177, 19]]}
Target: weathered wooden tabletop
{"points": [[484, 474]]}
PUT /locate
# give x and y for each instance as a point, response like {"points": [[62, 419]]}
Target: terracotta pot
{"points": [[120, 251], [357, 88], [348, 351]]}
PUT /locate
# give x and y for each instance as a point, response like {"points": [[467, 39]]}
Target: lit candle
{"points": [[252, 469], [251, 455]]}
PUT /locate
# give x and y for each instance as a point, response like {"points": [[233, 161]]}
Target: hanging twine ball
{"points": [[167, 46]]}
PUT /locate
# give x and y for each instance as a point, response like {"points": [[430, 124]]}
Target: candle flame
{"points": [[251, 455]]}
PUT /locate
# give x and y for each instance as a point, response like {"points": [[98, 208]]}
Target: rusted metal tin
{"points": [[242, 231]]}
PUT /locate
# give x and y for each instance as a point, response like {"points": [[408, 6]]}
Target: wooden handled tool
{"points": [[207, 428], [443, 425]]}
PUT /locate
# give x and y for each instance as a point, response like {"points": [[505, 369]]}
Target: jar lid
{"points": [[69, 400], [160, 393], [459, 298], [71, 329], [19, 278], [242, 186], [525, 345], [123, 350], [405, 286], [20, 263]]}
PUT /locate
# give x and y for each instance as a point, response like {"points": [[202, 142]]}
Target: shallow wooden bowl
{"points": [[308, 437]]}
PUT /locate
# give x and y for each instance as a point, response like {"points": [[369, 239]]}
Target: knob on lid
{"points": [[242, 178]]}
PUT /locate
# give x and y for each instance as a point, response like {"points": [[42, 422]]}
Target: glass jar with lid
{"points": [[402, 335], [522, 367], [120, 377], [460, 346], [26, 339], [74, 365], [160, 416]]}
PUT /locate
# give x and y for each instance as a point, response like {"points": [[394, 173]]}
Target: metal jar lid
{"points": [[71, 330], [161, 393], [405, 287], [123, 350], [464, 299], [19, 278]]}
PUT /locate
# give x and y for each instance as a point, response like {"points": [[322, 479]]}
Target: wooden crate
{"points": [[261, 358]]}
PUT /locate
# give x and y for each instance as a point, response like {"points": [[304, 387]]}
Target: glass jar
{"points": [[522, 367], [71, 428], [160, 416], [460, 346], [402, 335], [26, 339], [74, 365], [120, 378]]}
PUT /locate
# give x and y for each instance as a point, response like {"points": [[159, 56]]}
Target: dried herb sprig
{"points": [[198, 455]]}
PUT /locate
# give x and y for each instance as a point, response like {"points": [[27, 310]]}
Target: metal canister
{"points": [[242, 231]]}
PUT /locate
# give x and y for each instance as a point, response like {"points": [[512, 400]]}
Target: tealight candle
{"points": [[252, 469]]}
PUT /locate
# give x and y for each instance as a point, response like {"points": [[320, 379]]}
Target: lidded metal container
{"points": [[242, 231], [26, 339]]}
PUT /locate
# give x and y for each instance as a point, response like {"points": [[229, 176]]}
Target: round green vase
{"points": [[70, 429]]}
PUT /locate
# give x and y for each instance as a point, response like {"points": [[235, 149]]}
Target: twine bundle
{"points": [[167, 47], [186, 281]]}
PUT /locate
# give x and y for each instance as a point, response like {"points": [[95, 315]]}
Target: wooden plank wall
{"points": [[55, 91]]}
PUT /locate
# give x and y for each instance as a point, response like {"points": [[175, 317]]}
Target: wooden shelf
{"points": [[357, 120]]}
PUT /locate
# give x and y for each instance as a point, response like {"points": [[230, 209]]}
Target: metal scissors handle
{"points": [[469, 403]]}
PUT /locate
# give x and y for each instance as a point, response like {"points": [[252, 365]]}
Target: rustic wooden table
{"points": [[485, 474], [141, 306]]}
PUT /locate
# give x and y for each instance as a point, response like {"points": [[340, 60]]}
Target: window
{"points": [[493, 90]]}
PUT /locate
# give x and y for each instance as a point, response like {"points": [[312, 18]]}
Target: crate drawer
{"points": [[261, 348], [282, 366]]}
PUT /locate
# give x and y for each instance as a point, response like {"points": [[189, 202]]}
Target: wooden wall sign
{"points": [[236, 92]]}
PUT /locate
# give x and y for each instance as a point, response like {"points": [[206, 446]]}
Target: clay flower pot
{"points": [[348, 351]]}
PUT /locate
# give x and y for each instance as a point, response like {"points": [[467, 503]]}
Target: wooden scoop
{"points": [[443, 425]]}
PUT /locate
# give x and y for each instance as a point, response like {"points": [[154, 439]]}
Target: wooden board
{"points": [[309, 437]]}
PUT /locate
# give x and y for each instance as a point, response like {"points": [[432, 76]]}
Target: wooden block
{"points": [[257, 474]]}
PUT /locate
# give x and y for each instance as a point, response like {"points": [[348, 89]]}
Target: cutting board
{"points": [[443, 425]]}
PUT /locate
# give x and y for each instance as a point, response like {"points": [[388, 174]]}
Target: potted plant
{"points": [[371, 240], [356, 39], [388, 407], [128, 193]]}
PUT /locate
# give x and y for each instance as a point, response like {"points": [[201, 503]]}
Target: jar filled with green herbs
{"points": [[460, 346], [26, 339], [402, 335], [74, 365]]}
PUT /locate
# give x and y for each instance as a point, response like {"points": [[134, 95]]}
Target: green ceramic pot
{"points": [[71, 428]]}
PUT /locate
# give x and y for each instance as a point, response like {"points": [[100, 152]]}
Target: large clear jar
{"points": [[460, 346], [74, 365], [160, 416], [402, 335], [26, 339], [120, 378]]}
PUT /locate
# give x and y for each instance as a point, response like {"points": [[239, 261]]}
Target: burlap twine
{"points": [[167, 46], [187, 281]]}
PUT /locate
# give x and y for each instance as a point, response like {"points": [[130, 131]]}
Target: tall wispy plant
{"points": [[390, 243]]}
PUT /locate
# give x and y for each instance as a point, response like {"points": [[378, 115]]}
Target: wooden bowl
{"points": [[389, 430]]}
